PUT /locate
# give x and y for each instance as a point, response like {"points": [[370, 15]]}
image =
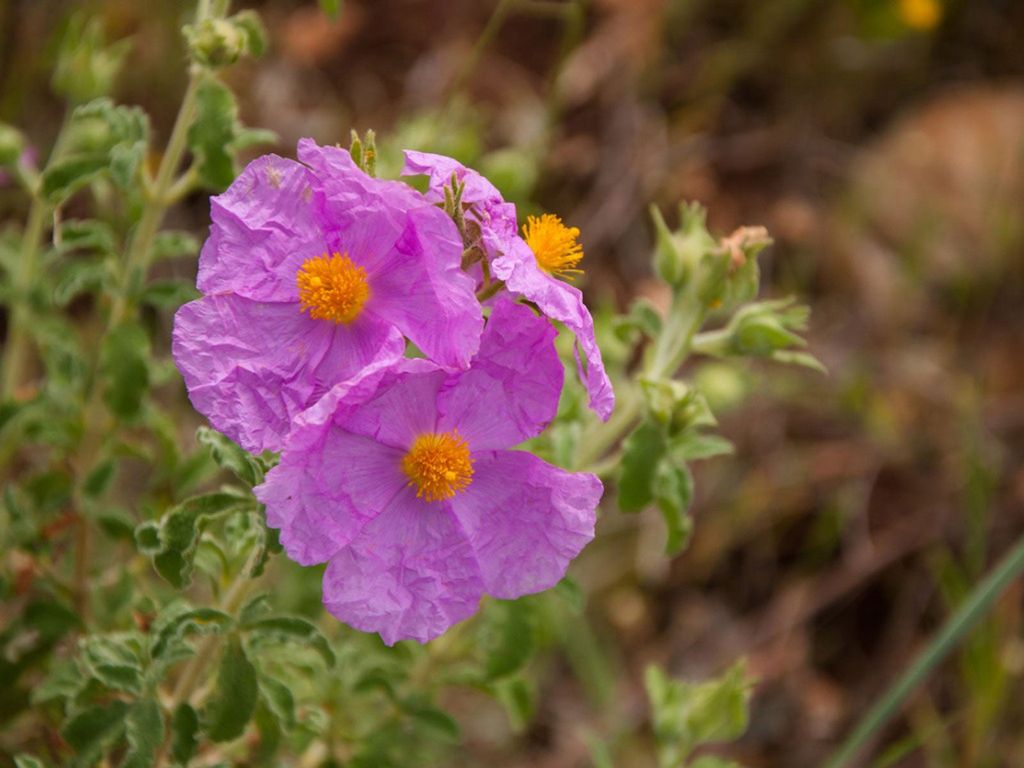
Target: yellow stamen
{"points": [[332, 288], [439, 464], [554, 245]]}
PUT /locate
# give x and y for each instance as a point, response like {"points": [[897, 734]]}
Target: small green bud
{"points": [[87, 67], [676, 404], [12, 144], [216, 42], [678, 255], [364, 151]]}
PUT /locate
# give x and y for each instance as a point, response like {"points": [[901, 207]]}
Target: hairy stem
{"points": [[16, 347]]}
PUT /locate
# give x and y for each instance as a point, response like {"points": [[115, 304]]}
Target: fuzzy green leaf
{"points": [[294, 629], [184, 734], [92, 730], [673, 493], [124, 361], [145, 734], [231, 456], [234, 698], [642, 451]]}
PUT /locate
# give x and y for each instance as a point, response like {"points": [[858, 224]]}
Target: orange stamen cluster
{"points": [[439, 465], [554, 245], [332, 288]]}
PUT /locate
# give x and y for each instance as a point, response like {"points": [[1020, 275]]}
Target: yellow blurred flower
{"points": [[921, 14]]}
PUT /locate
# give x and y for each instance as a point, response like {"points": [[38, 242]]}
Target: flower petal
{"points": [[526, 520], [511, 391], [560, 301], [410, 249], [328, 484], [423, 291], [263, 228], [409, 574], [251, 367]]}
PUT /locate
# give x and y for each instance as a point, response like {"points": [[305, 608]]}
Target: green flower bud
{"points": [[678, 255], [12, 144], [87, 67], [216, 42]]}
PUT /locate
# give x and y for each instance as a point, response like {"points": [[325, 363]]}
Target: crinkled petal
{"points": [[559, 301], [511, 391], [440, 170], [263, 227], [409, 574], [328, 484], [251, 367], [526, 520], [402, 408], [411, 251], [495, 217], [358, 214], [424, 292]]}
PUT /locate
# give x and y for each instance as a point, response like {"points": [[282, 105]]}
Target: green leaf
{"points": [[145, 734], [180, 530], [85, 235], [230, 456], [331, 7], [279, 701], [291, 628], [114, 661], [66, 176], [693, 445], [92, 730], [517, 699], [255, 608], [168, 294], [27, 761], [174, 244], [210, 135], [437, 722], [234, 698], [507, 638], [686, 715], [642, 451], [184, 734], [78, 276], [201, 621], [63, 681], [124, 365], [99, 478], [673, 493]]}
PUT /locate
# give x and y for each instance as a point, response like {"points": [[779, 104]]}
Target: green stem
{"points": [[137, 260], [973, 610], [16, 348]]}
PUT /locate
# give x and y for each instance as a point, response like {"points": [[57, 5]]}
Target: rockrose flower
{"points": [[312, 272], [402, 481], [532, 266]]}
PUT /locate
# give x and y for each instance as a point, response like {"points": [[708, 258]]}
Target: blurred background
{"points": [[881, 142]]}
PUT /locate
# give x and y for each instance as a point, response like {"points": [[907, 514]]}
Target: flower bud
{"points": [[12, 144], [216, 42], [678, 255]]}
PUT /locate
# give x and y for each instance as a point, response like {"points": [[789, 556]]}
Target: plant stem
{"points": [[15, 349], [16, 346], [137, 260], [187, 684], [973, 610]]}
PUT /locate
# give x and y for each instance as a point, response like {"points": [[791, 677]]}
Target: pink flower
{"points": [[529, 267], [403, 482], [312, 272]]}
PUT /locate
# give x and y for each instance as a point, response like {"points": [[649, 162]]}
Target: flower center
{"points": [[439, 464], [332, 288], [554, 245]]}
